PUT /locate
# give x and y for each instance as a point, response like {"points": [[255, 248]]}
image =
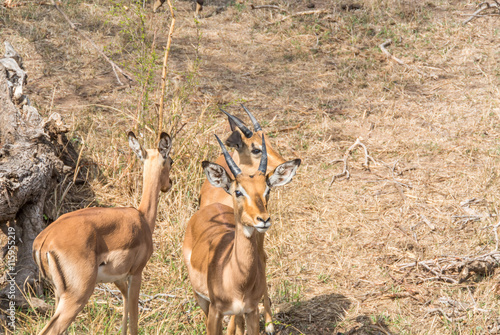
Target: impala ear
{"points": [[217, 175], [164, 145], [234, 140], [283, 173], [136, 146]]}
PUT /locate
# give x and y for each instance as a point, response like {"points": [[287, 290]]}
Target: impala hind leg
{"points": [[199, 8], [123, 287], [70, 304], [236, 325], [134, 288]]}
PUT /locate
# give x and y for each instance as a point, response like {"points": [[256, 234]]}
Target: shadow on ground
{"points": [[313, 317]]}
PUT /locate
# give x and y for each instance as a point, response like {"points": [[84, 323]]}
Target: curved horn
{"points": [[263, 158], [235, 170], [247, 132], [256, 125]]}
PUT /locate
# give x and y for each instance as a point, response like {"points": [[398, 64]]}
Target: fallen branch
{"points": [[457, 269], [482, 7], [164, 70], [309, 12], [113, 65], [345, 170]]}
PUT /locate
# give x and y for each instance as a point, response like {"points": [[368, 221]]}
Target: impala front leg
{"points": [[268, 316], [133, 295], [252, 319], [214, 321]]}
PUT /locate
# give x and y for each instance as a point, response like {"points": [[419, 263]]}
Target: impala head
{"points": [[248, 143], [156, 161], [250, 192]]}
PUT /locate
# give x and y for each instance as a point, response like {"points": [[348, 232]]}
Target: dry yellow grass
{"points": [[334, 252]]}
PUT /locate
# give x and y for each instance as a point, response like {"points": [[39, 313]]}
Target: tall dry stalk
{"points": [[164, 70]]}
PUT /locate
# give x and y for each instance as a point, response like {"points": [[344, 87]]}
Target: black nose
{"points": [[264, 221]]}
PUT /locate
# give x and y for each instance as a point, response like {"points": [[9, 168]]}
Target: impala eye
{"points": [[256, 151], [238, 193]]}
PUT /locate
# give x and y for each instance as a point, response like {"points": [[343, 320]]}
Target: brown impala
{"points": [[102, 245], [222, 249], [247, 156]]}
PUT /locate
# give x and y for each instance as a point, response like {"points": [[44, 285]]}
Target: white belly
{"points": [[237, 308], [104, 277]]}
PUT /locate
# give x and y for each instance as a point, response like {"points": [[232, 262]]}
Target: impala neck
{"points": [[245, 254], [150, 194]]}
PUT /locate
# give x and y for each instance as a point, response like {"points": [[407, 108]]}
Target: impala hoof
{"points": [[270, 329]]}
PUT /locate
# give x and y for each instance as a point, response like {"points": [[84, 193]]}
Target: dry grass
{"points": [[334, 253]]}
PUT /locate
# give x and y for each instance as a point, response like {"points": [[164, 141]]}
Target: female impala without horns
{"points": [[248, 145], [102, 245], [221, 247]]}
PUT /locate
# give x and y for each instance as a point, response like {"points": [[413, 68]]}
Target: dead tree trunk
{"points": [[34, 156]]}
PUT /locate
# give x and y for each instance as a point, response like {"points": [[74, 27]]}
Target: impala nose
{"points": [[263, 225]]}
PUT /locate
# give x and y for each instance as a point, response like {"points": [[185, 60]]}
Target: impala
{"points": [[221, 247], [247, 156], [102, 245]]}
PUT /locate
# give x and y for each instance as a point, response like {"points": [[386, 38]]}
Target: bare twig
{"points": [[495, 231], [444, 314], [146, 298], [453, 310], [388, 42], [164, 70], [288, 128], [482, 7], [345, 171], [269, 7], [113, 65], [179, 130], [428, 223], [438, 275], [383, 46], [309, 12]]}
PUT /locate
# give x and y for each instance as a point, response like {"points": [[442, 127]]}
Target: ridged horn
{"points": [[263, 158], [247, 132], [256, 125], [235, 170]]}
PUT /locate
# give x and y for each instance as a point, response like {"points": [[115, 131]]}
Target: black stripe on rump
{"points": [[59, 269]]}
